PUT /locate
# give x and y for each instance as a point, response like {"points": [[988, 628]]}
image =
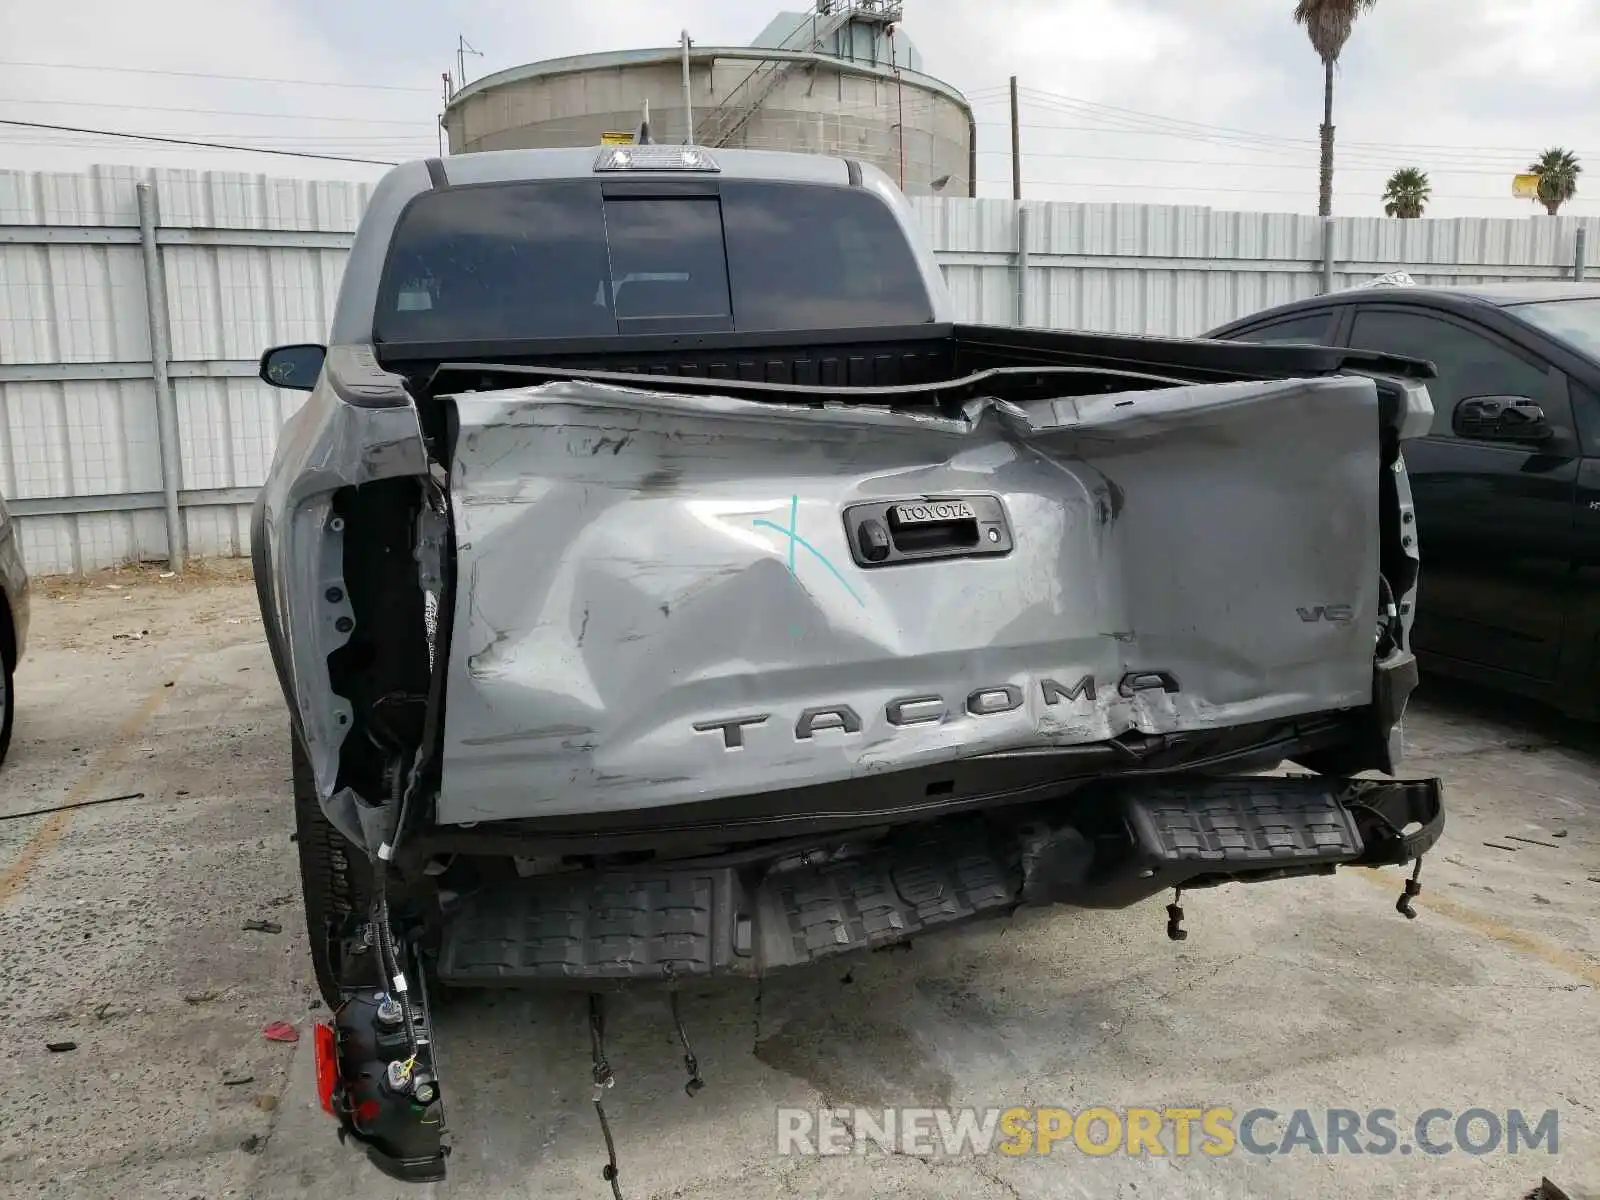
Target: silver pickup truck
{"points": [[664, 585]]}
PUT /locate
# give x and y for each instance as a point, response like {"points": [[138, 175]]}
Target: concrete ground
{"points": [[120, 932]]}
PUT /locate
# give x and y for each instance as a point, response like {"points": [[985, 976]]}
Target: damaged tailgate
{"points": [[666, 598]]}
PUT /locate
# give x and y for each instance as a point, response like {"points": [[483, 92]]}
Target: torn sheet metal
{"points": [[657, 602], [368, 433]]}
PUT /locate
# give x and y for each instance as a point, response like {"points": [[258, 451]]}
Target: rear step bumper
{"points": [[1128, 841]]}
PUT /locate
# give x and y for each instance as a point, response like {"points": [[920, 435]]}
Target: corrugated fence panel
{"points": [[77, 401], [82, 301], [1181, 270]]}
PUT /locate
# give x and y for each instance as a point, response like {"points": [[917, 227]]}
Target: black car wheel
{"points": [[335, 874], [7, 706]]}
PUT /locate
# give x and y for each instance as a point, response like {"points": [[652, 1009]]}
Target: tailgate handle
{"points": [[885, 532], [932, 525]]}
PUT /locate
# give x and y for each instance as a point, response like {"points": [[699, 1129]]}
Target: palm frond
{"points": [[1558, 172], [1407, 192], [1328, 23]]}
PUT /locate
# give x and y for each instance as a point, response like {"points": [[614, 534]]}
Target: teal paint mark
{"points": [[795, 540], [794, 524]]}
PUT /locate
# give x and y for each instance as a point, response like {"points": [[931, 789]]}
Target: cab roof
{"points": [[578, 162]]}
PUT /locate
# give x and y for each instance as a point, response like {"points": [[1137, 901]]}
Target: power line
{"points": [[1200, 162], [1346, 160], [1155, 120], [913, 106], [1129, 127], [1243, 191], [212, 112], [1161, 127], [281, 140], [148, 137], [286, 137], [375, 87]]}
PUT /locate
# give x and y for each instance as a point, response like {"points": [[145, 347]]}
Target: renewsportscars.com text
{"points": [[1163, 1132]]}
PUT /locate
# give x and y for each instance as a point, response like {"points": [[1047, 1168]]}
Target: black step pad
{"points": [[938, 879], [652, 923], [1260, 821], [619, 925], [657, 924]]}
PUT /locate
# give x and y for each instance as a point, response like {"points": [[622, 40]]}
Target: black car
{"points": [[1507, 484]]}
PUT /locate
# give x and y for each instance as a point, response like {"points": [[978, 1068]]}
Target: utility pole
{"points": [[444, 78], [463, 48], [688, 101], [1016, 144]]}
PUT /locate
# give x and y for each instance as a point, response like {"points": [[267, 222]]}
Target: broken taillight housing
{"points": [[327, 1047]]}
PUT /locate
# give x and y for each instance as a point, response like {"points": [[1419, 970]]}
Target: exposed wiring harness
{"points": [[394, 978], [603, 1079], [404, 782], [1390, 630]]}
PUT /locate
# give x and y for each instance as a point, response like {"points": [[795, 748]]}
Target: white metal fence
{"points": [[93, 421]]}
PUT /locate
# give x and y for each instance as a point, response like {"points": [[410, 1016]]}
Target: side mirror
{"points": [[296, 367], [1501, 419]]}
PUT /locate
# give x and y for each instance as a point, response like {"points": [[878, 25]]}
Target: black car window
{"points": [[1469, 363], [667, 261], [1576, 322], [497, 263], [560, 259], [818, 258], [1586, 412], [1316, 327]]}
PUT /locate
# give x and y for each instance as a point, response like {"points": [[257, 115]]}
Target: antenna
{"points": [[463, 48]]}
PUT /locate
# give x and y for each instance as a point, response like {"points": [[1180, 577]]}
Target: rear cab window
{"points": [[554, 259], [1316, 328]]}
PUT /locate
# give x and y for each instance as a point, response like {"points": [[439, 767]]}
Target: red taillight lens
{"points": [[327, 1066]]}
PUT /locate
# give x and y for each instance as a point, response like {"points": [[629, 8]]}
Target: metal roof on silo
{"points": [[876, 107], [605, 59]]}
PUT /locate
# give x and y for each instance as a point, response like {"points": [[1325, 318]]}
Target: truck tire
{"points": [[335, 874], [8, 699], [8, 682]]}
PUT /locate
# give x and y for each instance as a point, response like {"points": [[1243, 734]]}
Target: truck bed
{"points": [[915, 361]]}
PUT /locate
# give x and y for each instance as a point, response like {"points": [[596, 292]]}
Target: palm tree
{"points": [[1558, 172], [1407, 192], [1328, 24]]}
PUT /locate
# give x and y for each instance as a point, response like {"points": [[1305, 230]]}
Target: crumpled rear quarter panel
{"points": [[625, 571]]}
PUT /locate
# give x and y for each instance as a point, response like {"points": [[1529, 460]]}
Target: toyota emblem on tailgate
{"points": [[933, 512]]}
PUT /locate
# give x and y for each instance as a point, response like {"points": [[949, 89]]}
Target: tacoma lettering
{"points": [[732, 729], [916, 710], [1054, 693], [1147, 681], [994, 700], [835, 716], [930, 709]]}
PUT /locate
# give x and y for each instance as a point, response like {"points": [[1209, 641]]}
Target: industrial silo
{"points": [[839, 79]]}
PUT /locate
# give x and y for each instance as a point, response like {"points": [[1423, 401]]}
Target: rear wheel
{"points": [[335, 874], [7, 707]]}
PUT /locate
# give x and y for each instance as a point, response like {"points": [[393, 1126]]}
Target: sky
{"points": [[1207, 102]]}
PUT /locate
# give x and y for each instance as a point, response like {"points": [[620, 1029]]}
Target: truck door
{"points": [[1581, 651], [1494, 511]]}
